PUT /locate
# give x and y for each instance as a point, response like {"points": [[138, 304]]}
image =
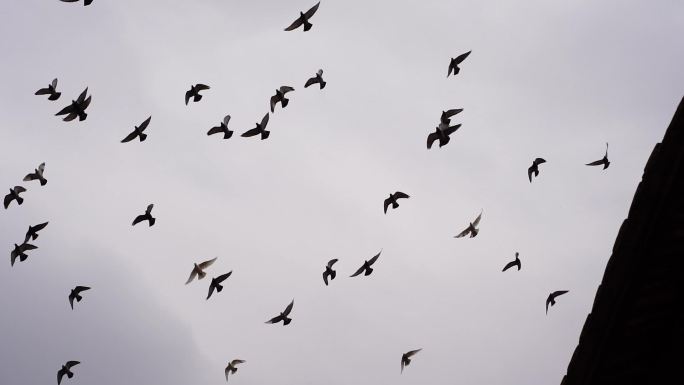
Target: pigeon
{"points": [[259, 129], [76, 294], [14, 195], [20, 252], [198, 270], [329, 272], [551, 300], [194, 93], [32, 233], [453, 64], [76, 108], [283, 316], [232, 368], [316, 79], [66, 368], [605, 162], [51, 90], [223, 128], [37, 174], [85, 2], [393, 200], [513, 263], [406, 358], [471, 229], [534, 168], [216, 283], [138, 131], [280, 97], [304, 19], [441, 134], [366, 267], [146, 217]]}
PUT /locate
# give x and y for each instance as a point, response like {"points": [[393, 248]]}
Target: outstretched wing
{"points": [[252, 132], [138, 219], [286, 89], [452, 129], [193, 274], [43, 91], [595, 163], [71, 364], [332, 262], [30, 177], [400, 195], [387, 203], [82, 96], [431, 139], [226, 119], [274, 100], [39, 227], [375, 258], [462, 57], [311, 81], [264, 121], [477, 220], [509, 265], [188, 95], [144, 124], [215, 130], [463, 233], [223, 277], [149, 208], [208, 263], [201, 87], [275, 319], [412, 353], [129, 137], [66, 110], [558, 293], [449, 113], [288, 309], [295, 24], [359, 271]]}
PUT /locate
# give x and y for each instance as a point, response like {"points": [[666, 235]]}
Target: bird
{"points": [[605, 162], [194, 93], [318, 78], [51, 90], [551, 300], [85, 2], [138, 131], [283, 316], [516, 262], [441, 134], [259, 129], [20, 252], [453, 64], [37, 174], [76, 108], [222, 128], [146, 217], [198, 270], [32, 233], [232, 367], [14, 195], [280, 97], [393, 200], [304, 19], [76, 294], [406, 358], [534, 168], [366, 267], [471, 229], [329, 272], [66, 368], [216, 283]]}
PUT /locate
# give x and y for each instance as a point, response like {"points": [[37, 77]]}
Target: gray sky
{"points": [[548, 79]]}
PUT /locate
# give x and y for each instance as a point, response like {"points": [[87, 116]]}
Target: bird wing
{"points": [[431, 139], [386, 204], [149, 208], [606, 150], [236, 362], [462, 57], [463, 233], [400, 195], [86, 102], [144, 124], [325, 277], [312, 10], [594, 163], [212, 286], [54, 83], [201, 87], [449, 113], [41, 167], [215, 130], [62, 372], [8, 199], [208, 263], [332, 262], [286, 89], [477, 220], [71, 300], [71, 364], [66, 110], [295, 24], [30, 177], [274, 100], [274, 320], [311, 81], [188, 94], [79, 289], [529, 173], [539, 161], [402, 364], [288, 309], [138, 219], [130, 137], [39, 226], [452, 129], [227, 372], [223, 277], [226, 119], [27, 246], [193, 274], [558, 293], [19, 189], [319, 72], [412, 353], [358, 271], [264, 121], [548, 301], [375, 258], [43, 91], [252, 132], [82, 96], [508, 265]]}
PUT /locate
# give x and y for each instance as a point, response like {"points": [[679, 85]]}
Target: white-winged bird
{"points": [[280, 97], [366, 267], [194, 93], [77, 108], [14, 195], [232, 367], [534, 168], [66, 368], [51, 90], [303, 19], [32, 233], [76, 294], [329, 272], [283, 316], [471, 229], [138, 131], [551, 300], [515, 262], [318, 78], [216, 283], [453, 64], [198, 270], [146, 217], [222, 128], [37, 174], [406, 358], [605, 162], [259, 129], [19, 251], [392, 200]]}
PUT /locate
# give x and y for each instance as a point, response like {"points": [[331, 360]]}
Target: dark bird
{"points": [[329, 272], [194, 93], [51, 90], [453, 64], [605, 162], [443, 130], [37, 174], [232, 367], [551, 300], [280, 97], [20, 252], [406, 358], [76, 294], [146, 217], [138, 131], [76, 108], [393, 200], [316, 79], [216, 283], [283, 316], [513, 263], [14, 195], [259, 129], [222, 128], [198, 270], [85, 2], [66, 368], [32, 233], [366, 267], [446, 116], [471, 229], [534, 168], [304, 19]]}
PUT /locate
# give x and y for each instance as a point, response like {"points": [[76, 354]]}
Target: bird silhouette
{"points": [[194, 93], [279, 97], [366, 267], [37, 174], [605, 162], [283, 316], [453, 64], [138, 131], [259, 129], [534, 168], [446, 116], [392, 200], [406, 358], [329, 272], [232, 367], [76, 295], [14, 195], [303, 19], [222, 128], [516, 262], [77, 108], [551, 300], [216, 283], [441, 134], [20, 252], [318, 78], [66, 368], [51, 90], [146, 217], [471, 229], [198, 270], [32, 233]]}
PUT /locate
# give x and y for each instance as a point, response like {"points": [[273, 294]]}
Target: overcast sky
{"points": [[545, 79]]}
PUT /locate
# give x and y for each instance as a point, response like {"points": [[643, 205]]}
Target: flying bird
{"points": [[14, 195], [283, 316], [20, 252], [406, 358], [516, 262], [222, 128], [66, 368], [138, 131], [280, 97], [37, 174], [32, 233], [51, 90], [605, 162], [329, 272], [76, 108], [194, 93], [304, 19], [393, 200], [551, 300], [318, 78], [232, 367], [534, 168], [76, 294], [366, 267], [198, 270], [471, 229], [444, 130], [259, 129], [85, 2], [216, 283], [146, 217], [453, 64]]}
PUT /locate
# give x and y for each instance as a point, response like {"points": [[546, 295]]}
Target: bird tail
{"points": [[197, 98], [265, 134], [307, 25], [69, 374], [323, 84], [78, 298], [43, 181], [201, 274], [233, 370], [395, 205], [152, 220], [474, 233], [142, 136], [219, 288], [55, 96], [368, 271], [20, 200], [285, 102], [227, 135], [333, 274], [286, 321], [443, 142], [82, 116]]}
